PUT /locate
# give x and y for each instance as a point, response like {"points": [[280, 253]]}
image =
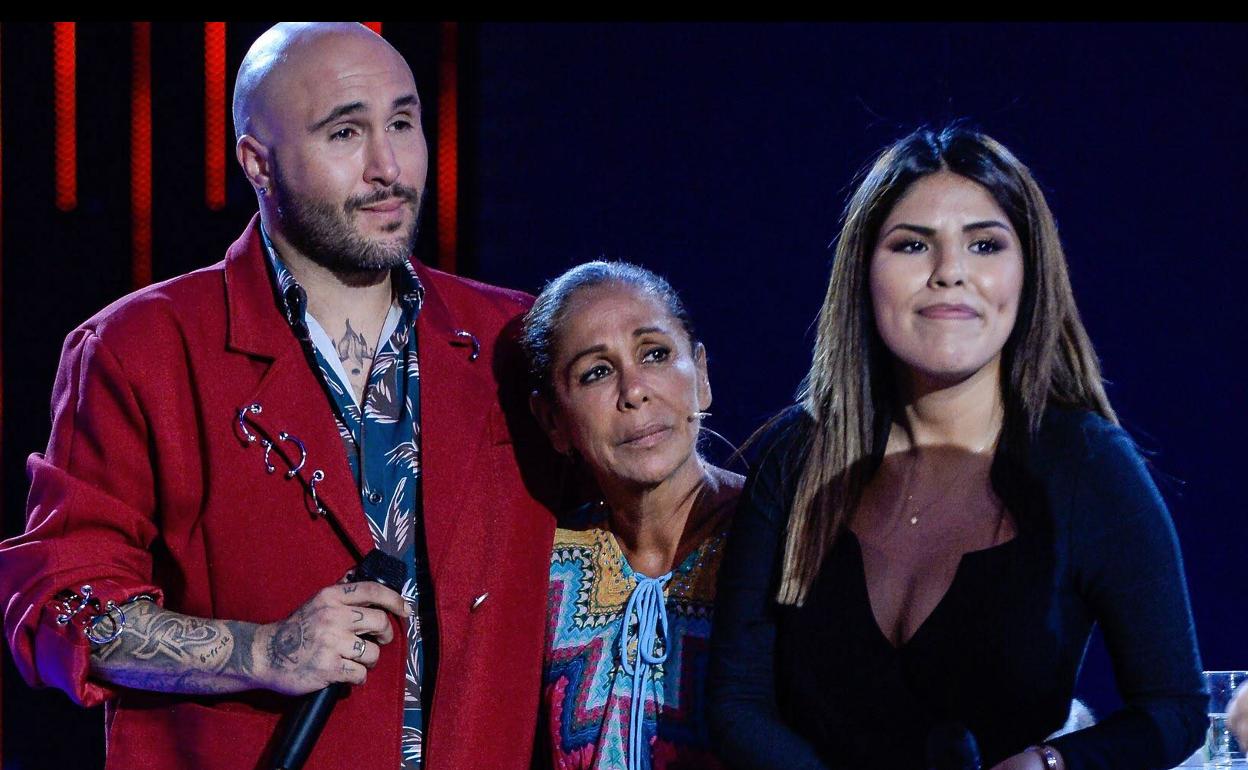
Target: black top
{"points": [[821, 687]]}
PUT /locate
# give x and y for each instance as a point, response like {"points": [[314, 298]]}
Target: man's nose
{"points": [[383, 165]]}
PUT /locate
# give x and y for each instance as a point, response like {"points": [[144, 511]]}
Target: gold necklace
{"points": [[908, 494]]}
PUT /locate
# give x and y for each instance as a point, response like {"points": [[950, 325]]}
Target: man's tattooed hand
{"points": [[287, 642], [333, 637]]}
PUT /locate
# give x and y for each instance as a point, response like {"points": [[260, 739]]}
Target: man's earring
{"points": [[263, 190]]}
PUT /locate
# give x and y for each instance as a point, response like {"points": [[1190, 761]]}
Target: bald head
{"points": [[290, 55]]}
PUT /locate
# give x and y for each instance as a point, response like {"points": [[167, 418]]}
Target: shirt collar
{"points": [[292, 298]]}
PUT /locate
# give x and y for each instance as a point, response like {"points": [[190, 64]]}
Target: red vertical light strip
{"points": [[214, 114], [448, 147], [373, 25], [64, 97], [141, 154]]}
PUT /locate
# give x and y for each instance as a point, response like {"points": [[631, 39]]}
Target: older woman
{"points": [[622, 388], [933, 530]]}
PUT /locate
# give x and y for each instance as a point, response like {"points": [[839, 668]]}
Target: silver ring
{"points": [[359, 646], [303, 453], [69, 611], [248, 436], [268, 447], [318, 476], [472, 339], [94, 636]]}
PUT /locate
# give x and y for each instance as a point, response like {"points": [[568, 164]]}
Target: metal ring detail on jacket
{"points": [[91, 630], [248, 436], [472, 340], [75, 603], [303, 453], [318, 476], [268, 447]]}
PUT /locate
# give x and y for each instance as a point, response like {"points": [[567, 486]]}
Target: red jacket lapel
{"points": [[291, 401], [456, 400]]}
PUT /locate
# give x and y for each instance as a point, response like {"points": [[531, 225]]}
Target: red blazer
{"points": [[149, 485]]}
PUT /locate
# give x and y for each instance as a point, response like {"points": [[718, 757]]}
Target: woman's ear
{"points": [[544, 412], [704, 380]]}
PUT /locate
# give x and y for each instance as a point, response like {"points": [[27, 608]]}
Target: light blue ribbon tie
{"points": [[646, 602]]}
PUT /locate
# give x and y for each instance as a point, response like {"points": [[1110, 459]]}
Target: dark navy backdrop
{"points": [[719, 155]]}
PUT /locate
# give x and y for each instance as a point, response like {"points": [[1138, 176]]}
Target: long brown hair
{"points": [[849, 391]]}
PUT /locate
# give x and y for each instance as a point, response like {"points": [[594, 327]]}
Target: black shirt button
{"points": [[374, 497]]}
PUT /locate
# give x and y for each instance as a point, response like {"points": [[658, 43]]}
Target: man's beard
{"points": [[327, 236]]}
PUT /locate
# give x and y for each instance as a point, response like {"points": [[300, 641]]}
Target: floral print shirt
{"points": [[381, 436]]}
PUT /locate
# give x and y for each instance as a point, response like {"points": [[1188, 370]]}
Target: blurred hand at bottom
{"points": [[1237, 715]]}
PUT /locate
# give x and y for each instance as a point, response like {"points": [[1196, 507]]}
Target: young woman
{"points": [[933, 530]]}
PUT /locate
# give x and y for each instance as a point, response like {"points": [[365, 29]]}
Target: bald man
{"points": [[227, 445]]}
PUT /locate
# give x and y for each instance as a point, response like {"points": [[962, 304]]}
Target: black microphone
{"points": [[950, 746], [310, 717]]}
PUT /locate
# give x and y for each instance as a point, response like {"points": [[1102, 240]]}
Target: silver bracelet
{"points": [[1047, 755]]}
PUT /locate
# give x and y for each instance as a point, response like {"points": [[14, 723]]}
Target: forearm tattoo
{"points": [[169, 652]]}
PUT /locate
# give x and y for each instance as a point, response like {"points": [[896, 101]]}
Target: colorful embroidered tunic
{"points": [[381, 436], [588, 686]]}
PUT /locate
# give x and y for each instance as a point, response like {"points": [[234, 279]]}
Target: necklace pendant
{"points": [[914, 519]]}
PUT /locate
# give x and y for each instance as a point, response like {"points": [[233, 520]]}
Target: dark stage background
{"points": [[719, 155]]}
